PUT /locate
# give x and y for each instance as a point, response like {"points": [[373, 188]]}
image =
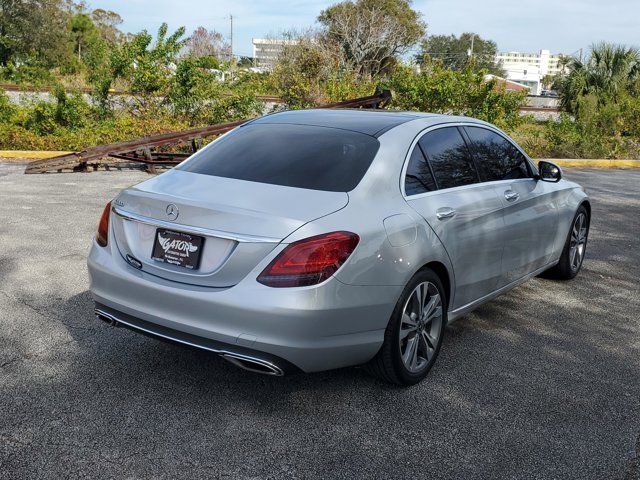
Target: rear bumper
{"points": [[243, 357], [317, 328]]}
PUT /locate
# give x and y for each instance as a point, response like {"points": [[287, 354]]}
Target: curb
{"points": [[593, 163], [30, 154]]}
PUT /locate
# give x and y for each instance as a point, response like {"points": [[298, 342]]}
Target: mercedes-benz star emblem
{"points": [[172, 211]]}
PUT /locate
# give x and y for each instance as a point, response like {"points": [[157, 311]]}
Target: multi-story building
{"points": [[529, 68], [266, 51]]}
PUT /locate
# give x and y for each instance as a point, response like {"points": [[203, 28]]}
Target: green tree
{"points": [[373, 33], [144, 66], [609, 72], [456, 52], [84, 33], [208, 43], [107, 23], [33, 30], [311, 70]]}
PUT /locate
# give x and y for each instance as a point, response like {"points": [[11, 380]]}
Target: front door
{"points": [[531, 222], [530, 213]]}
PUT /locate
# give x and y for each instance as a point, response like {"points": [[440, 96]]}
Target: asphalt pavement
{"points": [[542, 383]]}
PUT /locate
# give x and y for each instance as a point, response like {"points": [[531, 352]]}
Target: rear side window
{"points": [[418, 178], [449, 158], [497, 158], [302, 156]]}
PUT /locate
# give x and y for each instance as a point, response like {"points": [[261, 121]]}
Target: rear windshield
{"points": [[303, 156]]}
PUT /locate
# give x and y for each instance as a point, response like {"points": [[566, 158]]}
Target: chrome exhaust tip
{"points": [[108, 319], [253, 364]]}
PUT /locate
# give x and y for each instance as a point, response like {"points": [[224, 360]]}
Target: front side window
{"points": [[302, 156], [497, 157], [418, 178], [449, 158]]}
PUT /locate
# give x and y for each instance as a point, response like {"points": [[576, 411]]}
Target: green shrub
{"points": [[199, 97], [7, 109], [532, 137], [345, 86], [119, 129], [27, 74], [567, 138], [439, 90]]}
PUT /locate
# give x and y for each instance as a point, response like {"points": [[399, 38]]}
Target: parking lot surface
{"points": [[543, 382]]}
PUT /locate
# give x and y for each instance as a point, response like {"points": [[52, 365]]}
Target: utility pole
{"points": [[470, 51], [231, 35]]}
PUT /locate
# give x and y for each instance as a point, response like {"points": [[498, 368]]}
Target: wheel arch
{"points": [[587, 205], [443, 274]]}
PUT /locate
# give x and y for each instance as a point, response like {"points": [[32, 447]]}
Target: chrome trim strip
{"points": [[464, 309], [277, 371], [238, 237]]}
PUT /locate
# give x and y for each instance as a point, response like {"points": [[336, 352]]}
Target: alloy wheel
{"points": [[421, 327], [578, 242]]}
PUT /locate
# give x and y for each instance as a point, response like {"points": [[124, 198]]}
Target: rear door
{"points": [[443, 186], [530, 212]]}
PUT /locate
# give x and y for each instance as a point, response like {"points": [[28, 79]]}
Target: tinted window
{"points": [[449, 157], [419, 178], [497, 158], [302, 156]]}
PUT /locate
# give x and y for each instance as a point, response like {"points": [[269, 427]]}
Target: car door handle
{"points": [[511, 196], [445, 212]]}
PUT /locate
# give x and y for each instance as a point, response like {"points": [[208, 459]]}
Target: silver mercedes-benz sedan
{"points": [[317, 239]]}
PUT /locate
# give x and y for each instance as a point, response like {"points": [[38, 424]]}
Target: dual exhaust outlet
{"points": [[245, 362]]}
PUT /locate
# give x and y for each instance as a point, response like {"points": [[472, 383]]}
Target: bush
{"points": [[119, 129], [309, 72], [7, 109], [45, 117], [198, 96], [567, 138], [27, 74], [439, 90], [345, 86]]}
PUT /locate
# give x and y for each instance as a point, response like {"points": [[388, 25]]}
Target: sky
{"points": [[562, 26]]}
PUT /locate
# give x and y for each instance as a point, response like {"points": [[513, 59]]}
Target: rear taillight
{"points": [[309, 261], [103, 227]]}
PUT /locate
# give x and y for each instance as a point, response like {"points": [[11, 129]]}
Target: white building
{"points": [[529, 68], [266, 51]]}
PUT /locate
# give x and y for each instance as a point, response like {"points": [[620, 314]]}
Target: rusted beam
{"points": [[71, 160], [78, 160], [380, 100]]}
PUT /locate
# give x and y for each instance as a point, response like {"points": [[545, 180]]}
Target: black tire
{"points": [[388, 365], [566, 269]]}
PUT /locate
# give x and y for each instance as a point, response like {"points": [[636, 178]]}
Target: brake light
{"points": [[103, 227], [309, 261]]}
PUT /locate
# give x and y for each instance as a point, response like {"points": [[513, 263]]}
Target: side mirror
{"points": [[549, 172]]}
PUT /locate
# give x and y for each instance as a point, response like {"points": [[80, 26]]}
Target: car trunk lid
{"points": [[240, 222]]}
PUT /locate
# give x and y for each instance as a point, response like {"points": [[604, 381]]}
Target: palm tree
{"points": [[609, 70]]}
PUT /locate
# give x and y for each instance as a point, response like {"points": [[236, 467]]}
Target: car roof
{"points": [[368, 121]]}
